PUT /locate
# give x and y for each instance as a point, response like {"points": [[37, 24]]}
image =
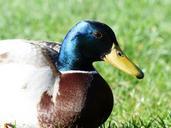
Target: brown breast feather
{"points": [[83, 100]]}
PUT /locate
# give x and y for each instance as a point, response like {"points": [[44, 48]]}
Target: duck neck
{"points": [[70, 58]]}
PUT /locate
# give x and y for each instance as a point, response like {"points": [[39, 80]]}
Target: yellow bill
{"points": [[121, 61]]}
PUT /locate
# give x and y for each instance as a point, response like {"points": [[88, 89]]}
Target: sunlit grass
{"points": [[143, 29]]}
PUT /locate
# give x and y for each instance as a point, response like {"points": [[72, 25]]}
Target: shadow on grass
{"points": [[155, 122]]}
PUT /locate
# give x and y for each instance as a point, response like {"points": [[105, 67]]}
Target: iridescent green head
{"points": [[90, 41]]}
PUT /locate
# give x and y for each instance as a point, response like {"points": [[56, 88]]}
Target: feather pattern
{"points": [[37, 94], [25, 67]]}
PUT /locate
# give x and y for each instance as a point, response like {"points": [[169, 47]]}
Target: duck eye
{"points": [[119, 53], [98, 35]]}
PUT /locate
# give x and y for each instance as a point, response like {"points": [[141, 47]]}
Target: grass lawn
{"points": [[143, 29]]}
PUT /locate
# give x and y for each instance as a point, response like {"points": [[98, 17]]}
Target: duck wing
{"points": [[52, 45], [27, 70]]}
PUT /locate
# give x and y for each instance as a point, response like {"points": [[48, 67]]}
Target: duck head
{"points": [[90, 41]]}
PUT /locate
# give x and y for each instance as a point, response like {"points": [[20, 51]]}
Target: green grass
{"points": [[143, 29]]}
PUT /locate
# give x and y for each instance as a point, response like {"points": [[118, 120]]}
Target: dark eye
{"points": [[98, 35], [119, 53]]}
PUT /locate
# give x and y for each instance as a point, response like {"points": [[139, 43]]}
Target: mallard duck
{"points": [[52, 85]]}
